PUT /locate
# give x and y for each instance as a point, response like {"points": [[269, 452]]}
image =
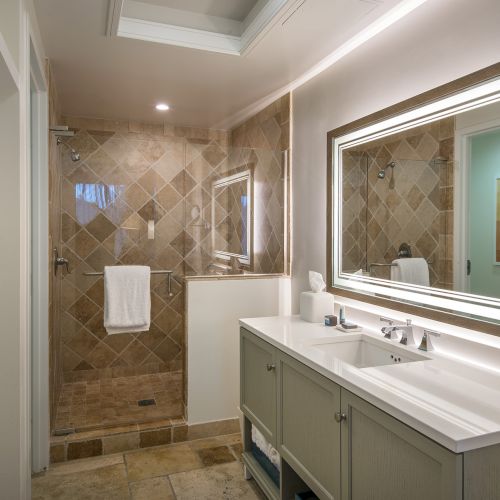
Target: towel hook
{"points": [[404, 251]]}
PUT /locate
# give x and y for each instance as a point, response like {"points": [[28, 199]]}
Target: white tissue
{"points": [[316, 282]]}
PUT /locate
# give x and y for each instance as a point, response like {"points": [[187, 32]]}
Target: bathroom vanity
{"points": [[356, 416]]}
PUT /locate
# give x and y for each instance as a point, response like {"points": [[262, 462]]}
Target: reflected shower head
{"points": [[75, 155], [381, 173]]}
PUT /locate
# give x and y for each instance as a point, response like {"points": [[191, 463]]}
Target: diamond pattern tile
{"points": [[100, 227], [409, 207], [132, 175], [151, 211], [83, 309]]}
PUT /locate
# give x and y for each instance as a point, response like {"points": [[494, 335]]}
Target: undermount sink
{"points": [[365, 351]]}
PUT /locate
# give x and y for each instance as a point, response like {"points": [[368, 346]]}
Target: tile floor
{"points": [[203, 469], [90, 404]]}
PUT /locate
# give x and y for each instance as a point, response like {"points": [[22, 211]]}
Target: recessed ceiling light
{"points": [[162, 107]]}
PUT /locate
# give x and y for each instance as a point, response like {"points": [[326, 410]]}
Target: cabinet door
{"points": [[258, 383], [308, 434], [384, 459]]}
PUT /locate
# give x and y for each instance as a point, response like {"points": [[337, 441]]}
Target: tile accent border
{"points": [[131, 437]]}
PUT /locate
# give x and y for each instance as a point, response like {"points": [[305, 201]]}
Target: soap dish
{"points": [[349, 330]]}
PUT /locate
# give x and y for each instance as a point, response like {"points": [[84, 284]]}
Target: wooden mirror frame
{"points": [[428, 97]]}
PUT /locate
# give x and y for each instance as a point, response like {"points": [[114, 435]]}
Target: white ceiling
{"points": [[112, 77], [230, 9]]}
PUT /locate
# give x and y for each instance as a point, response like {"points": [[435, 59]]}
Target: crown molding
{"points": [[115, 8], [389, 18]]}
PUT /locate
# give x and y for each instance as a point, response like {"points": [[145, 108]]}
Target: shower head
{"points": [[75, 155], [381, 173]]}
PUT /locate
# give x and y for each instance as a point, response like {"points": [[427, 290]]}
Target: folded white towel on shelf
{"points": [[413, 270], [265, 447], [127, 299]]}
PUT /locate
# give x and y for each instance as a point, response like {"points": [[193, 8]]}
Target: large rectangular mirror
{"points": [[232, 217], [415, 208]]}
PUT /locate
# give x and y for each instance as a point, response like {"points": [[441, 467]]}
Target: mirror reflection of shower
{"points": [[381, 174], [61, 131]]}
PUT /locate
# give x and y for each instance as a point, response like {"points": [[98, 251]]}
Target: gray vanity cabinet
{"points": [[341, 446], [308, 434], [258, 397], [383, 458]]}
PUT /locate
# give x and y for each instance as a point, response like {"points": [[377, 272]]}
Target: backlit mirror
{"points": [[416, 205], [232, 217]]}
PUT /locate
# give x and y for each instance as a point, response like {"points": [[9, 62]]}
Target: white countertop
{"points": [[454, 403]]}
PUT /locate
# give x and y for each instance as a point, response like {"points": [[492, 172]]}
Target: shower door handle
{"points": [[60, 261]]}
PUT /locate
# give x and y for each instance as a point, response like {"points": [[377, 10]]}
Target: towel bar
{"points": [[376, 264], [168, 273], [102, 273]]}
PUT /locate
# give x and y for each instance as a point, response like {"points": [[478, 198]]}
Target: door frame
{"points": [[38, 214], [461, 243]]}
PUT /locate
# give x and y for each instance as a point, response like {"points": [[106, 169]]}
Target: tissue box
{"points": [[315, 305]]}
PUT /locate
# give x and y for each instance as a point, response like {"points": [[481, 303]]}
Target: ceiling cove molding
{"points": [[178, 35], [115, 8], [266, 18], [184, 36], [390, 17]]}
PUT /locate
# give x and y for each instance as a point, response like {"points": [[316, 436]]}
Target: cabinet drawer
{"points": [[384, 459], [258, 383], [308, 435]]}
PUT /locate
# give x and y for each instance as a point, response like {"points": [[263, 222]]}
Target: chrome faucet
{"points": [[406, 330], [426, 344], [389, 331]]}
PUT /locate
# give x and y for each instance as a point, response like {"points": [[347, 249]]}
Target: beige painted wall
{"points": [[15, 466], [10, 382], [440, 41], [9, 298], [10, 15]]}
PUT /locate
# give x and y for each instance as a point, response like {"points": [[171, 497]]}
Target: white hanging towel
{"points": [[411, 270], [127, 299]]}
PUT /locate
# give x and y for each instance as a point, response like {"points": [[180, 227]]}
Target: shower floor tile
{"points": [[107, 402]]}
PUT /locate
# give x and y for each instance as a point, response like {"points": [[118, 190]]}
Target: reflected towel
{"points": [[127, 299], [411, 270]]}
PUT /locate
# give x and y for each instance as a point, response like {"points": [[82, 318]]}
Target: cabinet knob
{"points": [[270, 367], [339, 416]]}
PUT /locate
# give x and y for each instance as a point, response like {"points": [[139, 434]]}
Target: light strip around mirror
{"points": [[475, 305]]}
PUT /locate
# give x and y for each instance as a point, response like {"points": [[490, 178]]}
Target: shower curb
{"points": [[135, 436]]}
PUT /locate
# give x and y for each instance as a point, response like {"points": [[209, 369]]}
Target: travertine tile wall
{"points": [[55, 364], [354, 208], [262, 140], [418, 209], [129, 174]]}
